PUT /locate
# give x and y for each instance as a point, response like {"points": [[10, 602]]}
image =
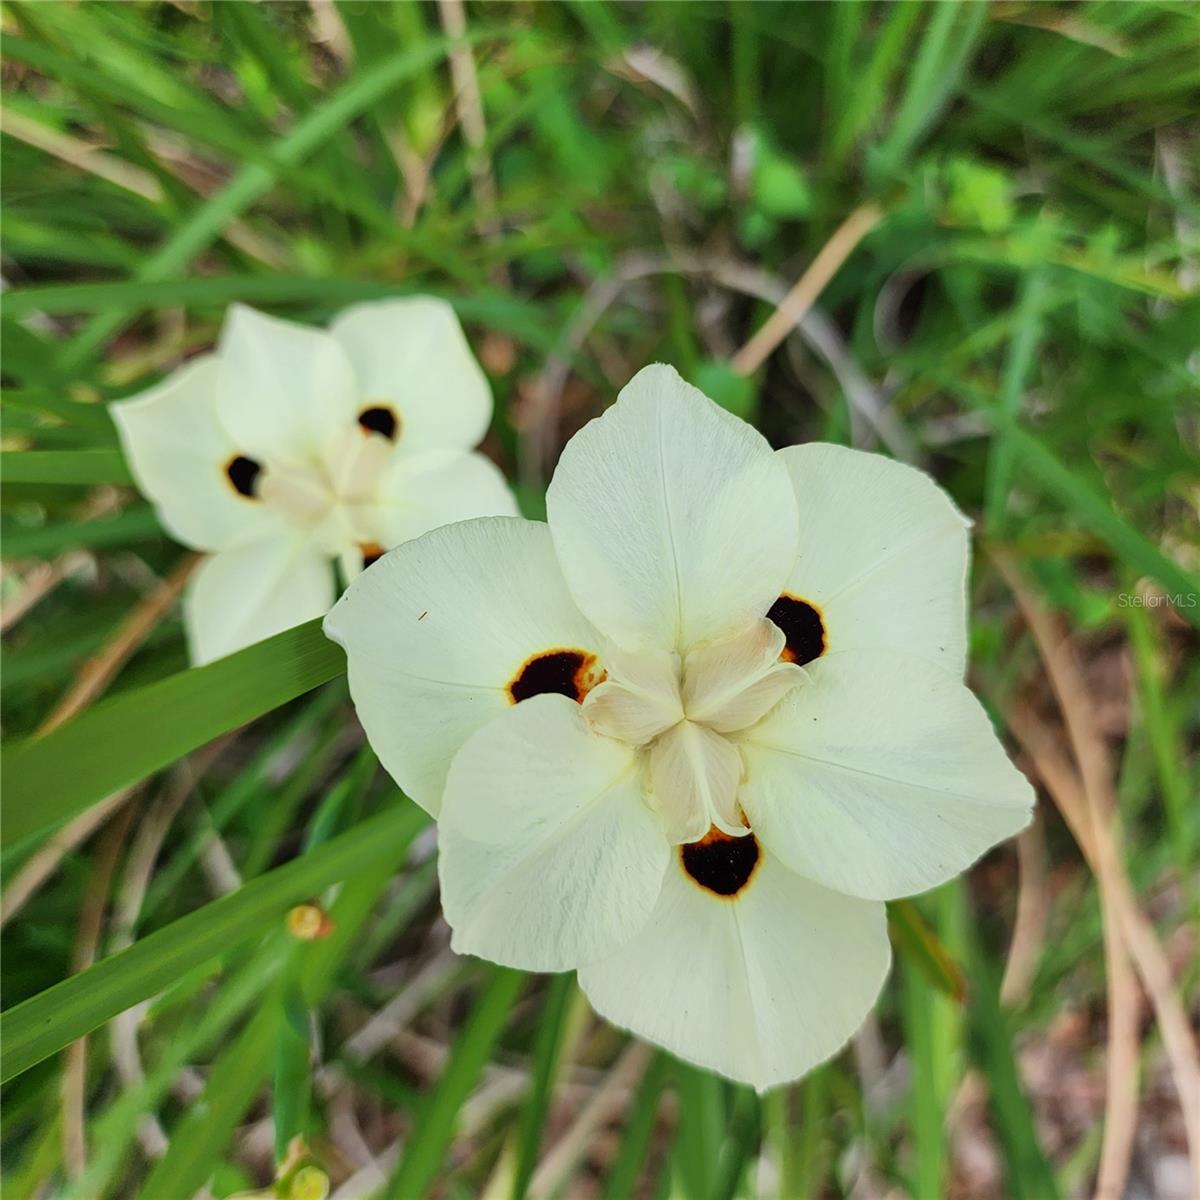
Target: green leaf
{"points": [[427, 1144], [199, 1139], [292, 1083], [64, 466], [990, 1044], [43, 1024], [1021, 353], [639, 1129], [919, 944], [257, 177], [551, 1026], [50, 779], [41, 541], [1096, 513]]}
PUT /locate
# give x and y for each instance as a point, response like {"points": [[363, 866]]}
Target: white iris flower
{"points": [[292, 447], [691, 734]]}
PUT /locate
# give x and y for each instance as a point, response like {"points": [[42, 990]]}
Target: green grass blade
{"points": [[37, 1027], [949, 39], [990, 1045], [745, 1131], [919, 945], [551, 1026], [1093, 509], [51, 778], [701, 1129], [63, 466], [638, 1131], [1012, 386], [199, 1139], [134, 524], [427, 1145], [257, 178]]}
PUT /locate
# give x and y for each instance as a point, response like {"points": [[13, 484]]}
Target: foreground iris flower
{"points": [[688, 737], [292, 447]]}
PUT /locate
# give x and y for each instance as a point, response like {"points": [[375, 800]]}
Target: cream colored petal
{"points": [[436, 631], [244, 594], [695, 775], [720, 678], [550, 856], [881, 777], [640, 698], [418, 493], [284, 390], [760, 988], [748, 707], [179, 454], [883, 553], [673, 520], [411, 354]]}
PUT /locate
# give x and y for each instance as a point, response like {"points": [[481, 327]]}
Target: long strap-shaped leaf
{"points": [[43, 1024], [49, 779], [257, 177], [63, 466]]}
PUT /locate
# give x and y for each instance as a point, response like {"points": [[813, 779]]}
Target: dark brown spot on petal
{"points": [[802, 626], [371, 552], [243, 473], [719, 863], [570, 673], [379, 418]]}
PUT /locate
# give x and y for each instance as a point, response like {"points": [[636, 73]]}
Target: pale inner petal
{"points": [[749, 707], [734, 682], [681, 711], [639, 700], [695, 775], [332, 497]]}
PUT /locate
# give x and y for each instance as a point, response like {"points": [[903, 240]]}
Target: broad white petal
{"points": [[548, 853], [436, 631], [285, 391], [883, 554], [760, 988], [673, 520], [695, 775], [179, 454], [410, 354], [247, 593], [882, 777], [731, 683], [420, 492]]}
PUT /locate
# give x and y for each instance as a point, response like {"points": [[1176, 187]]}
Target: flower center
{"points": [[685, 714], [332, 495]]}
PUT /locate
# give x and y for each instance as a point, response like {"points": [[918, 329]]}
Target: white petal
{"points": [[640, 698], [411, 355], [734, 682], [751, 705], [245, 594], [178, 452], [285, 390], [695, 775], [419, 493], [672, 519], [436, 630], [549, 855], [881, 778], [883, 553], [760, 988]]}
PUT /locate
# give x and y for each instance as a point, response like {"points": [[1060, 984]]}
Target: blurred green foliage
{"points": [[1022, 323]]}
